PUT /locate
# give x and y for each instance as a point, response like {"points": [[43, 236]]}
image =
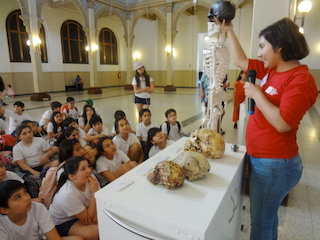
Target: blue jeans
{"points": [[271, 179]]}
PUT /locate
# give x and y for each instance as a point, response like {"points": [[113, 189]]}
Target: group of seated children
{"points": [[83, 157]]}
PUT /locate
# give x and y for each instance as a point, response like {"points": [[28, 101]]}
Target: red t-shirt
{"points": [[294, 92]]}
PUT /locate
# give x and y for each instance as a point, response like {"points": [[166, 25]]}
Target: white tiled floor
{"points": [[300, 220]]}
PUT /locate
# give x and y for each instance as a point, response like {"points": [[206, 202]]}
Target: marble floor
{"points": [[300, 220]]}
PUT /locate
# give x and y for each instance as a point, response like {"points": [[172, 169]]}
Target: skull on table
{"points": [[194, 164], [167, 173], [207, 141]]}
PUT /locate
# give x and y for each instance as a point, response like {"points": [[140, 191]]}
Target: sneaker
{"points": [[222, 132], [235, 126], [4, 104]]}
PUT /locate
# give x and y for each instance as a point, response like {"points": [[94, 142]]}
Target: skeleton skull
{"points": [[194, 164], [206, 141], [167, 173]]}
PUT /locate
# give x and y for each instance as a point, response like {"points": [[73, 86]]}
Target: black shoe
{"points": [[4, 104], [235, 126]]}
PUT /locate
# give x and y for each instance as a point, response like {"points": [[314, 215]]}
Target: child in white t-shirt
{"points": [[97, 130], [172, 128], [127, 141], [117, 115], [112, 163], [55, 125], [16, 115], [70, 110], [21, 218], [157, 140], [8, 175], [46, 116], [145, 124], [32, 153], [73, 209]]}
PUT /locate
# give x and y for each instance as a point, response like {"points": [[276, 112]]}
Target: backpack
{"points": [[168, 127], [7, 142], [66, 107], [31, 182], [49, 185]]}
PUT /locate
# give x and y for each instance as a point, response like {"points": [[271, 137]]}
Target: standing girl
{"points": [[88, 113], [73, 209], [286, 92], [143, 86], [127, 141], [32, 153], [238, 97], [55, 125], [112, 163]]}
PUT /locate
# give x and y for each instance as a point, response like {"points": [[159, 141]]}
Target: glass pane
{"points": [[81, 33], [64, 31], [114, 41], [15, 47], [73, 30], [66, 56], [108, 54], [114, 55], [108, 37], [75, 56], [13, 23], [101, 37], [22, 27]]}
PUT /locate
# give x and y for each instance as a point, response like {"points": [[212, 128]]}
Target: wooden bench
{"points": [[71, 88]]}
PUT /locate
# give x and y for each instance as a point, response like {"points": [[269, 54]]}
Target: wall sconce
{"points": [[94, 47], [304, 7], [169, 50], [137, 56], [36, 43]]}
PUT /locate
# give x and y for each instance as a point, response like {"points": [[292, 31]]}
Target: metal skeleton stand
{"points": [[216, 63]]}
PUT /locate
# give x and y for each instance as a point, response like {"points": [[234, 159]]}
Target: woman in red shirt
{"points": [[286, 92]]}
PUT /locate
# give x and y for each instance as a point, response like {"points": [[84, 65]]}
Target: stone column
{"points": [[129, 39], [93, 51], [169, 87], [33, 24]]}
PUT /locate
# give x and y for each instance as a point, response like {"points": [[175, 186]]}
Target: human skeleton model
{"points": [[216, 63]]}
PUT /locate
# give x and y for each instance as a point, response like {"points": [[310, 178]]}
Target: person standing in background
{"points": [[2, 88], [143, 86], [238, 97]]}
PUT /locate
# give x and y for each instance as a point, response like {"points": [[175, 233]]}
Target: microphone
{"points": [[251, 75]]}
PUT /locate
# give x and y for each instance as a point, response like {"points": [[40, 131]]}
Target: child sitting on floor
{"points": [[127, 141], [145, 124], [70, 110], [73, 209], [17, 115], [157, 140], [117, 115], [55, 125], [97, 130], [112, 163], [22, 218], [32, 153], [172, 128]]}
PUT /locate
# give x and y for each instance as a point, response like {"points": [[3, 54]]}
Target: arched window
{"points": [[18, 37], [73, 41], [108, 47]]}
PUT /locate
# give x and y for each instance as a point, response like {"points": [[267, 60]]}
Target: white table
{"points": [[209, 208]]}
